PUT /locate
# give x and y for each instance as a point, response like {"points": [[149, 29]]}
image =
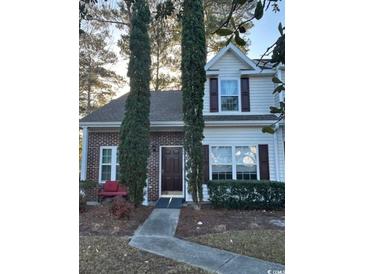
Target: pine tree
{"points": [[97, 82], [193, 50], [134, 132]]}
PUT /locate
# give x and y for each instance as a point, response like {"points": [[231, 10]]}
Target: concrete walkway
{"points": [[157, 236]]}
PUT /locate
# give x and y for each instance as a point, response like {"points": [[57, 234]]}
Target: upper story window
{"points": [[229, 95]]}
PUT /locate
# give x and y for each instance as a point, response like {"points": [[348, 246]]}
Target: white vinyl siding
{"points": [[261, 88], [281, 153], [247, 136], [261, 97], [281, 76]]}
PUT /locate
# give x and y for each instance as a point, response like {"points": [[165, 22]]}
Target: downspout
{"points": [[145, 194], [276, 152], [85, 138]]}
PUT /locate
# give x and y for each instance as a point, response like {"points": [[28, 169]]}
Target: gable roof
{"points": [[165, 106], [237, 52]]}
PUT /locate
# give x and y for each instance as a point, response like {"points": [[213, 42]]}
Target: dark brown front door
{"points": [[171, 169]]}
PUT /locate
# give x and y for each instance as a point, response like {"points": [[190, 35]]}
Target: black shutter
{"points": [[245, 95], [213, 94], [205, 163], [264, 162]]}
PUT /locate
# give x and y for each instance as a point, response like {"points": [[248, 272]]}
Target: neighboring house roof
{"points": [[263, 63], [166, 106]]}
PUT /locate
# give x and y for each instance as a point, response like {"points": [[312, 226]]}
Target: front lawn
{"points": [[256, 233], [112, 254], [104, 245], [263, 244]]}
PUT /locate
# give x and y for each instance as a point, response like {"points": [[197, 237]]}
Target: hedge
{"points": [[247, 194], [88, 184]]}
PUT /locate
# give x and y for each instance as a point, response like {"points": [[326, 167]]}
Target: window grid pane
{"points": [[106, 171], [246, 162], [246, 175], [117, 175], [107, 156], [221, 172], [221, 155], [229, 103], [229, 87]]}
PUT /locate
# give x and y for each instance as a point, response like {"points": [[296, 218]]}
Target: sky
{"points": [[263, 34], [265, 31]]}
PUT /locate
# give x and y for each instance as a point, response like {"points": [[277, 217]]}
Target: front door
{"points": [[171, 171]]}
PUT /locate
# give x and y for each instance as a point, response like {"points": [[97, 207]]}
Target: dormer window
{"points": [[229, 95]]}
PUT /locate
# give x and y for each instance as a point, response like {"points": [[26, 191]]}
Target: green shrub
{"points": [[88, 184], [247, 194]]}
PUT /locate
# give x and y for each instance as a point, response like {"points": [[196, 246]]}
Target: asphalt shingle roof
{"points": [[165, 106]]}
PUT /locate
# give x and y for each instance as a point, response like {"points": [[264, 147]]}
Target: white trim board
{"points": [[167, 127]]}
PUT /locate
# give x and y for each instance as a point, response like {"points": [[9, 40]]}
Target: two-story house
{"points": [[238, 94]]}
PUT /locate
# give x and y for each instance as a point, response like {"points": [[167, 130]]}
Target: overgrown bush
{"points": [[247, 194], [120, 208], [88, 184]]}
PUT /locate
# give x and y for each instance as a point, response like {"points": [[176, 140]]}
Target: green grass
{"points": [[112, 254], [263, 244]]}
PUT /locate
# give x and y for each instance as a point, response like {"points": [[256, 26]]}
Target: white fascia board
{"points": [[239, 123], [212, 72], [99, 124], [265, 72], [216, 57], [168, 124], [235, 113]]}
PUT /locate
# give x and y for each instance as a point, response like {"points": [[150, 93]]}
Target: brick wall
{"points": [[158, 139], [98, 137], [110, 137]]}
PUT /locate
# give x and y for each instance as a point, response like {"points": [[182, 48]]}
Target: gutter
{"points": [[169, 124]]}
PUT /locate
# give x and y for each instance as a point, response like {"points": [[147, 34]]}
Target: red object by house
{"points": [[112, 189]]}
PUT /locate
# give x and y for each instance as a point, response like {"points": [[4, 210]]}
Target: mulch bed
{"points": [[222, 220], [98, 221]]}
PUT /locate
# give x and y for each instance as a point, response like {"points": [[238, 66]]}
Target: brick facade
{"points": [[98, 137], [158, 139], [110, 137]]}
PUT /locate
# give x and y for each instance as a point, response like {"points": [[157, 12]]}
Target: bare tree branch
{"points": [[106, 21]]}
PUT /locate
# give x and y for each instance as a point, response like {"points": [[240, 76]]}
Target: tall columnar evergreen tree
{"points": [[193, 59], [134, 137]]}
